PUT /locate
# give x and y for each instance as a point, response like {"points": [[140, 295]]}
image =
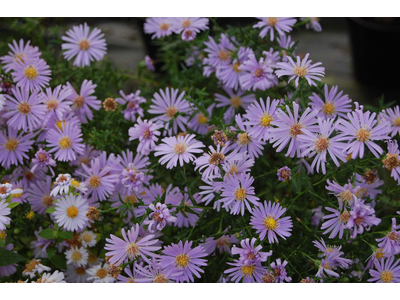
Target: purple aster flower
{"points": [[66, 142], [337, 223], [279, 271], [238, 192], [219, 54], [234, 101], [392, 160], [320, 144], [333, 104], [250, 254], [313, 23], [284, 174], [238, 165], [181, 257], [208, 191], [281, 25], [24, 111], [376, 256], [85, 45], [285, 41], [363, 130], [392, 115], [249, 273], [301, 69], [199, 123], [155, 273], [390, 243], [4, 211], [32, 75], [289, 127], [39, 195], [386, 271], [147, 133], [130, 247], [259, 116], [189, 26], [133, 275], [84, 158], [159, 27], [13, 147], [19, 53], [331, 261], [345, 194], [133, 106], [133, 179], [166, 105], [179, 148], [83, 100], [223, 244], [267, 219], [71, 212], [258, 75], [333, 254], [42, 160], [159, 217], [317, 215], [149, 63], [368, 188], [305, 166], [176, 199], [56, 100], [230, 74]]}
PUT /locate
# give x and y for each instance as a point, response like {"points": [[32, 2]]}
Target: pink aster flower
{"points": [[281, 25], [189, 26], [392, 160], [179, 148], [333, 104], [85, 45], [13, 147], [258, 75], [289, 127], [259, 116], [181, 257], [301, 69], [249, 273], [159, 27], [267, 219], [32, 74], [337, 223], [249, 254], [56, 100], [147, 133], [130, 247], [362, 130], [390, 244], [133, 107], [84, 100], [166, 105], [219, 54], [67, 143], [24, 111], [149, 63], [236, 192], [159, 217], [20, 52], [386, 271]]}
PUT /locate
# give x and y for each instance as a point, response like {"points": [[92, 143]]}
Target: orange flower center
{"points": [[84, 45], [11, 145], [72, 212], [24, 108]]}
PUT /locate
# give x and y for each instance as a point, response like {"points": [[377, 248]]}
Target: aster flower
{"points": [[20, 52], [284, 174], [66, 143], [234, 102], [199, 122], [62, 184], [392, 115], [258, 75], [179, 148], [4, 211], [7, 189], [147, 133], [42, 160], [386, 271], [133, 107], [249, 273], [329, 264], [279, 271], [100, 274], [333, 104], [155, 273], [122, 250], [39, 195], [237, 192], [13, 147], [285, 41], [32, 75], [89, 153], [321, 144], [259, 116], [267, 219], [149, 63], [181, 257], [238, 165], [71, 212], [76, 274], [219, 54], [222, 244], [159, 217], [317, 215], [289, 127], [189, 26], [88, 238], [159, 27], [363, 130], [249, 254], [78, 256], [301, 69], [230, 74], [133, 275], [33, 267], [313, 23], [377, 255], [2, 100], [390, 244], [85, 45], [19, 197], [365, 187], [392, 160], [24, 111], [56, 277], [336, 224], [268, 25], [345, 194], [56, 100], [83, 101]]}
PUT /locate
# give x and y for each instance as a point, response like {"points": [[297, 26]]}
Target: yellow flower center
{"points": [[240, 194], [182, 261], [362, 192], [396, 122], [171, 111], [101, 273], [60, 124], [272, 21], [363, 135], [270, 223], [295, 130], [266, 120], [235, 67], [75, 183], [179, 148], [236, 102], [72, 212], [133, 250], [3, 234], [30, 215], [52, 104], [94, 181], [386, 276], [202, 119], [87, 237], [243, 139], [346, 196], [300, 71], [17, 195], [160, 279], [321, 144], [24, 108], [31, 72], [84, 45], [76, 256], [65, 142], [379, 254], [11, 145], [328, 108], [248, 270], [19, 57], [344, 217]]}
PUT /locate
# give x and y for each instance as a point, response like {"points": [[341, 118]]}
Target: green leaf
{"points": [[2, 243], [47, 234], [51, 209], [50, 251], [9, 257], [12, 205], [59, 261], [65, 235]]}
